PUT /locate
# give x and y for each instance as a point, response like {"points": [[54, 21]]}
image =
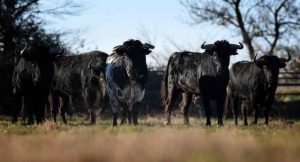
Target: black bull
{"points": [[79, 75], [31, 81], [126, 76], [253, 84], [203, 74]]}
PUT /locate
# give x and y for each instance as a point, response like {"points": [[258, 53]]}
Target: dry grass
{"points": [[150, 141]]}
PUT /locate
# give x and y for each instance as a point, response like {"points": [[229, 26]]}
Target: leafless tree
{"points": [[261, 23], [20, 20]]}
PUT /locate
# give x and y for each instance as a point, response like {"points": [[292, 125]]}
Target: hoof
{"points": [[186, 122], [167, 122]]}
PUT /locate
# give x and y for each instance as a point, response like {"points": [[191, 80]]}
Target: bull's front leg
{"points": [[17, 98], [207, 109], [28, 104], [268, 106], [220, 110], [115, 117], [124, 114], [54, 100], [114, 105]]}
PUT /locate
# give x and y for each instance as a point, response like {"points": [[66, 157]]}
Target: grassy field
{"points": [[150, 141]]}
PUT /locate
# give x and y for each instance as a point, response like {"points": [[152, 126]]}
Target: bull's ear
{"points": [[282, 65]]}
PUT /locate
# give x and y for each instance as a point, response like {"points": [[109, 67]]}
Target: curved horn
{"points": [[22, 51], [206, 46], [240, 46], [149, 46], [90, 64], [254, 59], [288, 59]]}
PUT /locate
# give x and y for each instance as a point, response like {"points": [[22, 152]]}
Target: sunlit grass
{"points": [[150, 141]]}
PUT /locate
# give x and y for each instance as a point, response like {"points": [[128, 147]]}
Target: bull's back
{"points": [[187, 69], [71, 72], [244, 76]]}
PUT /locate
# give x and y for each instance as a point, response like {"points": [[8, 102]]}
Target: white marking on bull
{"points": [[129, 95]]}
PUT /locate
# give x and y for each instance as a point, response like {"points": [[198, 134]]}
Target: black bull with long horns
{"points": [[253, 84], [204, 74]]}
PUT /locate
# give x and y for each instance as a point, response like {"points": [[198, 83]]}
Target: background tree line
{"points": [[21, 22]]}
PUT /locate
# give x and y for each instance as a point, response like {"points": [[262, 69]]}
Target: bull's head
{"points": [[221, 51], [270, 66], [134, 53]]}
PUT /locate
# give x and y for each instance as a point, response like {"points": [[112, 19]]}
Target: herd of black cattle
{"points": [[40, 73]]}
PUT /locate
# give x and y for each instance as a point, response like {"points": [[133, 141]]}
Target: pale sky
{"points": [[107, 23]]}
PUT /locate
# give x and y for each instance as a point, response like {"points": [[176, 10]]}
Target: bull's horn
{"points": [[254, 59], [288, 59], [22, 51], [90, 64], [206, 46], [149, 46], [240, 46]]}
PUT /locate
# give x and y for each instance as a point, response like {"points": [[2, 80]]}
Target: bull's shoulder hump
{"points": [[185, 54], [112, 58], [95, 52], [242, 66], [242, 63]]}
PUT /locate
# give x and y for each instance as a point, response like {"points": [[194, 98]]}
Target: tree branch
{"points": [[22, 9]]}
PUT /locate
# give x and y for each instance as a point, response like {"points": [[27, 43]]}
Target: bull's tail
{"points": [[164, 85]]}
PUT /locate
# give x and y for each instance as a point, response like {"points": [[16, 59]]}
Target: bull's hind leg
{"points": [[64, 100], [169, 104], [244, 110], [235, 108], [90, 97], [186, 102]]}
